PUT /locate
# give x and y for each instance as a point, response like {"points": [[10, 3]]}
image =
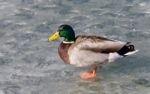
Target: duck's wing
{"points": [[97, 44]]}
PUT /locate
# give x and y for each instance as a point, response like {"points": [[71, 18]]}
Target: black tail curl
{"points": [[126, 48]]}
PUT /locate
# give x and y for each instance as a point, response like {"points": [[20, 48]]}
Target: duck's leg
{"points": [[89, 75]]}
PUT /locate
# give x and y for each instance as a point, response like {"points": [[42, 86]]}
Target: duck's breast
{"points": [[63, 52]]}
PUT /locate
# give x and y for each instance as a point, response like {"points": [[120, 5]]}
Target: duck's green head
{"points": [[64, 31]]}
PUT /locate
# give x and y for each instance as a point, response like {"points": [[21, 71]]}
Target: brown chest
{"points": [[63, 52]]}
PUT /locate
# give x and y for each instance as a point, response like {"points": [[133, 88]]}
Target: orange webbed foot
{"points": [[89, 75]]}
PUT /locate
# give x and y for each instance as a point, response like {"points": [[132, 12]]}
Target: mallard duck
{"points": [[89, 51]]}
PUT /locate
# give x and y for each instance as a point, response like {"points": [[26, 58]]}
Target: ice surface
{"points": [[29, 64]]}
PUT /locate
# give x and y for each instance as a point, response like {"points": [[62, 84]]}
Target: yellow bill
{"points": [[54, 37]]}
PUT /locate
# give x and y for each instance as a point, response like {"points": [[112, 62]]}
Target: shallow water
{"points": [[31, 65]]}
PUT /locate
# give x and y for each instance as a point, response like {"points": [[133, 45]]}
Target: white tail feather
{"points": [[131, 53], [113, 56]]}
